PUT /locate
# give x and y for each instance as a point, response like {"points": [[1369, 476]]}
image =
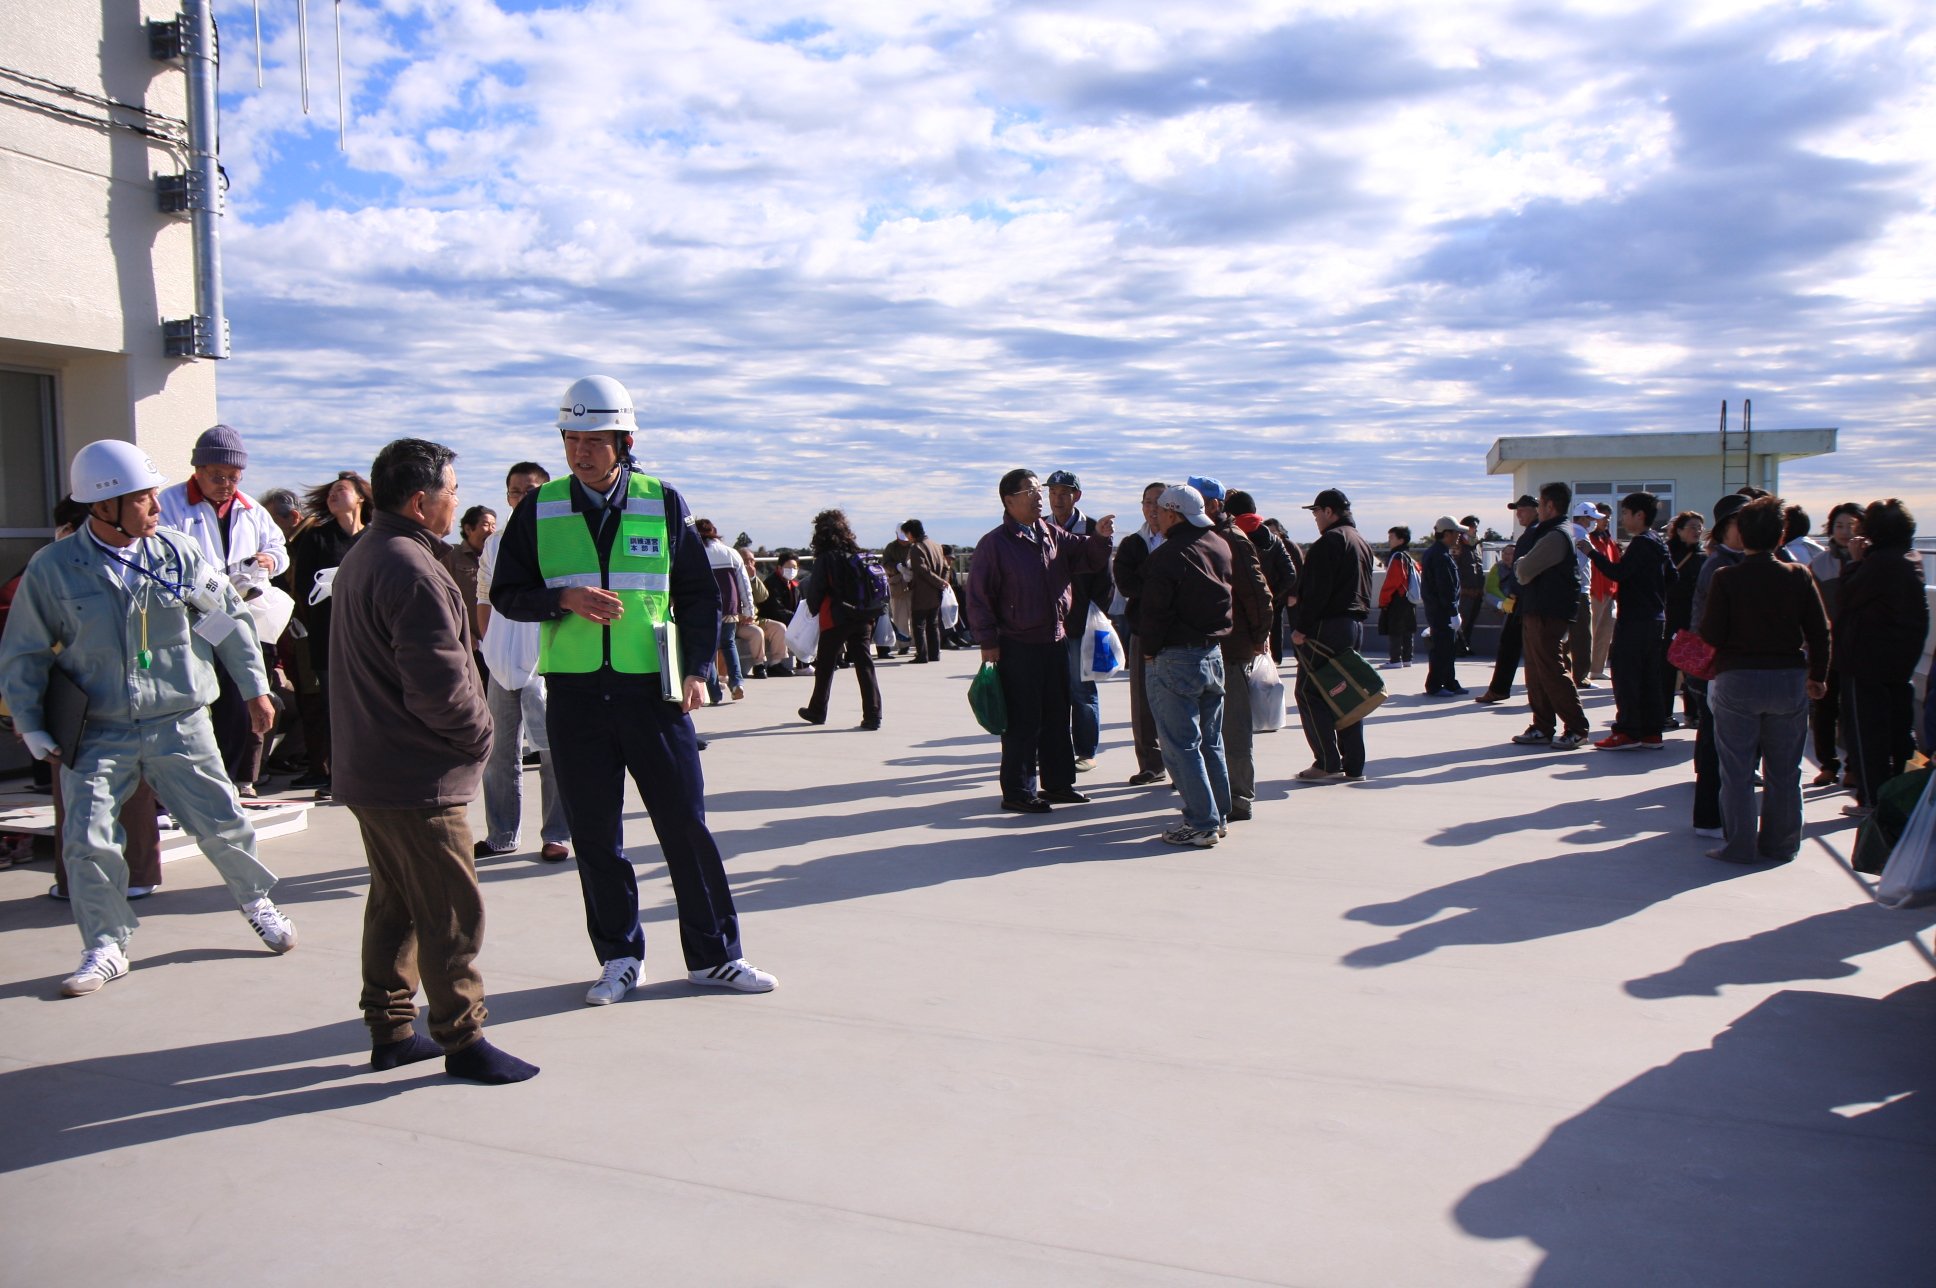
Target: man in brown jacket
{"points": [[411, 732]]}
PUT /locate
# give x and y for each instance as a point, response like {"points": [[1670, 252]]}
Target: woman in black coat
{"points": [[831, 590], [1881, 621]]}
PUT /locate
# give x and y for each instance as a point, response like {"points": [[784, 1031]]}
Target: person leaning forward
{"points": [[608, 561], [1018, 599], [411, 731], [132, 616]]}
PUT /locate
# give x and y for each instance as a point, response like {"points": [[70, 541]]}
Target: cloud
{"points": [[872, 257]]}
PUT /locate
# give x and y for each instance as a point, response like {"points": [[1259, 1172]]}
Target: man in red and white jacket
{"points": [[241, 538]]}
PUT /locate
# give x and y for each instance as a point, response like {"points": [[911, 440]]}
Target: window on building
{"points": [[1606, 493], [29, 467]]}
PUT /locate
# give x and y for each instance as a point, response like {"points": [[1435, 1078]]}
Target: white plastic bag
{"points": [[803, 632], [883, 631], [950, 608], [271, 610], [1266, 696], [1909, 877], [319, 590], [1102, 651]]}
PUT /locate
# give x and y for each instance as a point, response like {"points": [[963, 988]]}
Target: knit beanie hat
{"points": [[220, 445]]}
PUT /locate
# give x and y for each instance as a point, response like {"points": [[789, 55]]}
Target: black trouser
{"points": [[1469, 601], [1707, 761], [1639, 709], [1824, 714], [852, 638], [1035, 686], [1579, 640], [1332, 748], [241, 746], [926, 629], [1401, 623], [599, 732], [1670, 679], [1880, 725], [1442, 661], [1506, 665]]}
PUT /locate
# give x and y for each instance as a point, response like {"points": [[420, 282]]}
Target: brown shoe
{"points": [[554, 852], [1487, 698]]}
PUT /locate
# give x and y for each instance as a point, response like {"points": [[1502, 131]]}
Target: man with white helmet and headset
{"points": [[607, 560], [134, 617]]}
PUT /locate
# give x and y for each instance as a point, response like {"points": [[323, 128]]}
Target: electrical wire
{"points": [[87, 96], [174, 141]]}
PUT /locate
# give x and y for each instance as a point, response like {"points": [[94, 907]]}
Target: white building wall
{"points": [[1696, 479]]}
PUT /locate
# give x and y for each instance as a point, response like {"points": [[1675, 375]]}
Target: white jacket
{"points": [[510, 649], [251, 532]]}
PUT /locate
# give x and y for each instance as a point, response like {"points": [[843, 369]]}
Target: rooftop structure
{"points": [[1686, 469]]}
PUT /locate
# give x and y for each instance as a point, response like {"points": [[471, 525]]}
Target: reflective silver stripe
{"points": [[554, 509], [650, 581]]}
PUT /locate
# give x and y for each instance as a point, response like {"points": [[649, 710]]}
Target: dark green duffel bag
{"points": [[1349, 685]]}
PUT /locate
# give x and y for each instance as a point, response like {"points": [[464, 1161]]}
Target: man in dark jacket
{"points": [[1641, 578], [1546, 582], [1128, 575], [1184, 615], [1333, 598], [410, 731], [1085, 704], [1277, 557], [1472, 579], [1438, 576], [1881, 622], [1248, 640], [627, 636], [1505, 665], [1018, 599]]}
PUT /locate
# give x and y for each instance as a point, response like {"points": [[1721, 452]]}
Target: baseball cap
{"points": [[1063, 478], [1330, 499], [1526, 501], [1446, 523], [1585, 510], [1208, 488], [1186, 501]]}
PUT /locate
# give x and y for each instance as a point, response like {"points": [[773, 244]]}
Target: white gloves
{"points": [[41, 744]]}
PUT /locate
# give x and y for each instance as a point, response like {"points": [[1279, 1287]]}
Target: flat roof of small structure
{"points": [[1787, 444]]}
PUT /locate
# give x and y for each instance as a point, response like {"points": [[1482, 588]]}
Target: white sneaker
{"points": [[276, 930], [98, 966], [1084, 764], [737, 974], [620, 976]]}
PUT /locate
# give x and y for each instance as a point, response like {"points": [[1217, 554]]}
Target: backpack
{"points": [[870, 587], [1414, 588]]}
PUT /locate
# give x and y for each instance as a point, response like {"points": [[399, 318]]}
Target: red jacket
{"points": [[1603, 585]]}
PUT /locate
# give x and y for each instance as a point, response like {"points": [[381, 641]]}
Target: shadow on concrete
{"points": [[1823, 946], [1594, 820], [1795, 1151], [1537, 900]]}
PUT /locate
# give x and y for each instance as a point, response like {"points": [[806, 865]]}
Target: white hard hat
{"points": [[597, 402], [109, 468]]}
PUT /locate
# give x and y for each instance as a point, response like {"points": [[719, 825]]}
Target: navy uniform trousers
{"points": [[603, 727]]}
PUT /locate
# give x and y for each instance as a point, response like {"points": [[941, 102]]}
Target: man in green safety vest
{"points": [[607, 561]]}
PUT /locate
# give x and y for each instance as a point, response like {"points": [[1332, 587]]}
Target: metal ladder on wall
{"points": [[1737, 448]]}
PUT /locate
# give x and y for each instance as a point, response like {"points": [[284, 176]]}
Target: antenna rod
{"points": [[302, 49], [258, 44], [342, 112]]}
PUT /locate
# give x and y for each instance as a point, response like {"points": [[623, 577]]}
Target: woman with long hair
{"points": [[338, 510], [832, 592], [1881, 622], [1723, 551]]}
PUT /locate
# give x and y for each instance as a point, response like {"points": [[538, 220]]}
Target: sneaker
{"points": [[1184, 834], [267, 920], [739, 694], [1584, 684], [485, 850], [1855, 810], [1144, 777], [141, 892], [1652, 742], [1617, 741], [98, 966], [1319, 774], [1568, 741], [1392, 665], [1084, 764], [1711, 833], [247, 792], [619, 976], [738, 974], [1025, 805], [1533, 737]]}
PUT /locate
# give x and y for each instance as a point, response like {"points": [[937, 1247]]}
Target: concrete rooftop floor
{"points": [[1487, 1018]]}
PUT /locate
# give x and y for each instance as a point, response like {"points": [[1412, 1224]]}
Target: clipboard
{"points": [[672, 679], [63, 712]]}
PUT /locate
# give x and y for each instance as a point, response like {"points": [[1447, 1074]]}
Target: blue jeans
{"points": [[515, 713], [1085, 705], [729, 645], [1185, 687], [1761, 717]]}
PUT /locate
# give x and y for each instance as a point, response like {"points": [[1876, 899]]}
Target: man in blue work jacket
{"points": [[606, 559], [132, 617]]}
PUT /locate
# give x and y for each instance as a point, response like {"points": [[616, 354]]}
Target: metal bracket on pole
{"points": [[165, 41], [195, 337], [179, 194]]}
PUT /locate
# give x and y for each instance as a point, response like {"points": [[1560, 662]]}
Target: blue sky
{"points": [[874, 256]]}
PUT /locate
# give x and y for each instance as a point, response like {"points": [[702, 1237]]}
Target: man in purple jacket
{"points": [[1018, 597]]}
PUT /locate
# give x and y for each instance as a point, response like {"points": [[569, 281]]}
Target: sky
{"points": [[874, 256]]}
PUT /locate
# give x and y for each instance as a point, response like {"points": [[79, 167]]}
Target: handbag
{"points": [[986, 700], [1691, 655], [1350, 686], [1266, 696]]}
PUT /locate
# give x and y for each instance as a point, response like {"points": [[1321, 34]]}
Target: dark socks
{"points": [[482, 1062], [394, 1055]]}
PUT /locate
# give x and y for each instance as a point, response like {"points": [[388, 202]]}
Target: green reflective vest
{"points": [[639, 572]]}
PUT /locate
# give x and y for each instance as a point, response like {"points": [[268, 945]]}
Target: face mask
{"points": [[789, 571]]}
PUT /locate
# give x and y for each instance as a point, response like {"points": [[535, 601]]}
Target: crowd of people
{"points": [[342, 638]]}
